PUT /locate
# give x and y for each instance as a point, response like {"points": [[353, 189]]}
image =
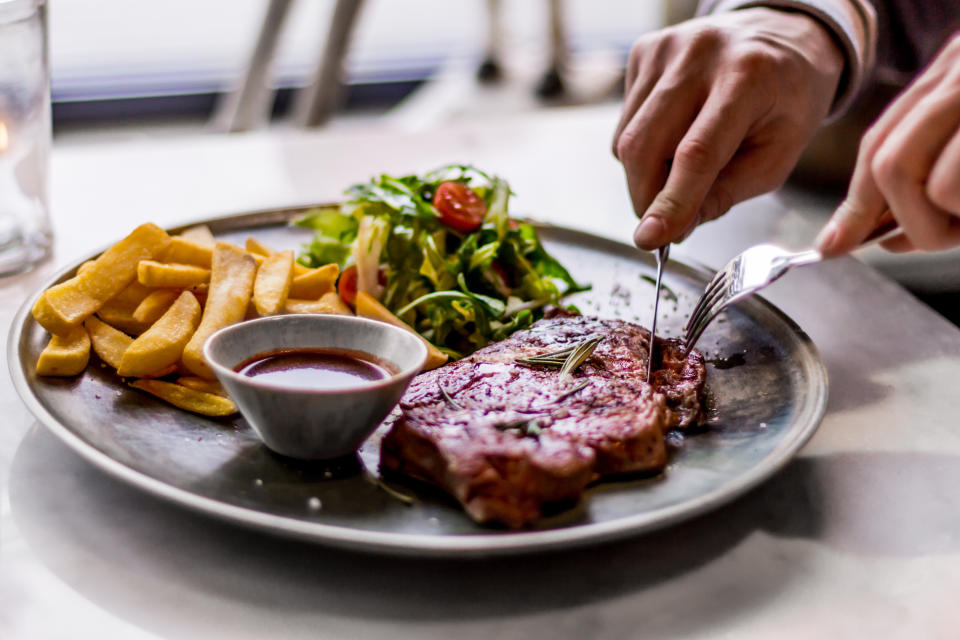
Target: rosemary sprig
{"points": [[453, 404], [567, 360], [569, 392], [393, 493], [579, 356]]}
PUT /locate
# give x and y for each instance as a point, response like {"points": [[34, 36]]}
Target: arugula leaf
{"points": [[331, 222], [335, 231], [323, 250], [483, 256]]}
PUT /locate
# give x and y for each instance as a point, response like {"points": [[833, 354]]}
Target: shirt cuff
{"points": [[852, 22]]}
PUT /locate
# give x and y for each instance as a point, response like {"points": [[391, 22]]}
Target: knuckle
{"points": [[888, 168], [944, 193], [696, 155], [704, 41], [758, 62], [853, 213], [628, 147], [870, 142], [672, 210]]}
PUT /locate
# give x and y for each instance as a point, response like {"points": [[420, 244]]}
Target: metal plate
{"points": [[762, 412]]}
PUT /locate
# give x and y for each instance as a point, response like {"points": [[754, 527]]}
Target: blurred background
{"points": [[140, 67], [132, 69]]}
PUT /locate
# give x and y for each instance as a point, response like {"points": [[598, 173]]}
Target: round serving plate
{"points": [[766, 388]]}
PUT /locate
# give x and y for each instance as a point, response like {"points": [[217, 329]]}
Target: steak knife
{"points": [[663, 253]]}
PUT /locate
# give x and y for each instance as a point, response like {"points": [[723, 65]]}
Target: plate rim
{"points": [[424, 545]]}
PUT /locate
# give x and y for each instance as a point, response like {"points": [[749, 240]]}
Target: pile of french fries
{"points": [[147, 304]]}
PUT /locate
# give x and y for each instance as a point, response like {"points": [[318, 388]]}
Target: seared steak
{"points": [[506, 439]]}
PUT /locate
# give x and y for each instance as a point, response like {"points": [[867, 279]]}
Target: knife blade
{"points": [[663, 253]]}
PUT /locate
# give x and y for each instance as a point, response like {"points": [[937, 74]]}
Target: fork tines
{"points": [[703, 311]]}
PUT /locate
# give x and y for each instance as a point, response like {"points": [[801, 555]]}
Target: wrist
{"points": [[851, 24], [820, 44]]}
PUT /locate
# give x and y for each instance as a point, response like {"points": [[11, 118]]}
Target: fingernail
{"points": [[648, 234], [826, 237]]}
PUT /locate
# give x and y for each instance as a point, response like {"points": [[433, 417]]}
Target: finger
{"points": [[903, 163], [713, 139], [648, 142], [644, 69], [899, 243], [857, 215], [752, 172], [943, 186]]}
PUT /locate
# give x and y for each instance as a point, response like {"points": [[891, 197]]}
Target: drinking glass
{"points": [[25, 234]]}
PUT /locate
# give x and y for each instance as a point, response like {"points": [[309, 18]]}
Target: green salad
{"points": [[441, 252]]}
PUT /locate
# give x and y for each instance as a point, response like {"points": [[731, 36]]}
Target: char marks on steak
{"points": [[509, 439]]}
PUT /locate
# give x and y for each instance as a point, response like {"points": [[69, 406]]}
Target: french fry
{"points": [[257, 248], [161, 346], [253, 245], [159, 373], [84, 266], [200, 234], [336, 304], [185, 251], [108, 343], [329, 303], [272, 284], [64, 306], [155, 305], [207, 404], [151, 273], [66, 354], [231, 285], [370, 307], [121, 316], [131, 295], [44, 313], [199, 384], [314, 284]]}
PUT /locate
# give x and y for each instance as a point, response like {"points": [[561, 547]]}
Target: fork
{"points": [[753, 270]]}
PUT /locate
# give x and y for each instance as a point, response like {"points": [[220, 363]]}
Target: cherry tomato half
{"points": [[459, 206], [347, 283]]}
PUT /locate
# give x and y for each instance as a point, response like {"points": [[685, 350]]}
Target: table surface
{"points": [[859, 535]]}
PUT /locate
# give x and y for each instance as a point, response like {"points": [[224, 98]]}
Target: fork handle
{"points": [[888, 224], [887, 227]]}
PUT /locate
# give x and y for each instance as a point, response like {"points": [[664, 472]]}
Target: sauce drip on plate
{"points": [[314, 368]]}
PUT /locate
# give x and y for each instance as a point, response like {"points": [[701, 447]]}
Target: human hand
{"points": [[909, 164], [718, 110]]}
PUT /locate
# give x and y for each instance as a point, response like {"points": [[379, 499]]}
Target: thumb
{"points": [[856, 217], [665, 220]]}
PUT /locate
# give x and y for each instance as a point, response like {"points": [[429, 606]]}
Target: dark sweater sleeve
{"points": [[910, 33]]}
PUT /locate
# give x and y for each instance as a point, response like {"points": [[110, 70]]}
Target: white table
{"points": [[858, 537]]}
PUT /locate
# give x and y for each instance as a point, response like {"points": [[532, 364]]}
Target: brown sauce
{"points": [[316, 368]]}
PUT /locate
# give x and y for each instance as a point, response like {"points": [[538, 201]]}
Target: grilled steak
{"points": [[507, 439]]}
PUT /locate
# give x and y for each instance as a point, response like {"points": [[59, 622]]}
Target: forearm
{"points": [[853, 23]]}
